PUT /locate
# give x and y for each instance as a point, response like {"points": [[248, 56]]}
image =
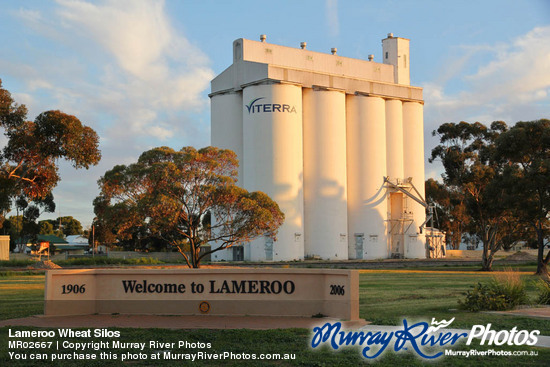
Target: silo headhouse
{"points": [[337, 142]]}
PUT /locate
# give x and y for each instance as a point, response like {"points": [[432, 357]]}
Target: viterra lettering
{"points": [[252, 107]]}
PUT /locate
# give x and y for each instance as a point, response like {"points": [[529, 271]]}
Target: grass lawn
{"points": [[386, 297]]}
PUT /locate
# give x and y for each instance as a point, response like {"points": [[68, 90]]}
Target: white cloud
{"points": [[119, 57], [160, 133], [510, 87], [157, 63], [511, 83]]}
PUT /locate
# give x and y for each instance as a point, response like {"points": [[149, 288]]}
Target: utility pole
{"points": [[93, 241]]}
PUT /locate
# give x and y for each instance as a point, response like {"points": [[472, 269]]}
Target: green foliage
{"points": [[503, 292], [69, 226], [474, 180], [525, 179], [20, 228], [46, 227], [544, 292]]}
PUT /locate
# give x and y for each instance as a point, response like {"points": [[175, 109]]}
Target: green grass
{"points": [[21, 295], [530, 267], [386, 297]]}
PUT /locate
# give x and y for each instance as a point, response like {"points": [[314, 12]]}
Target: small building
{"points": [[78, 245]]}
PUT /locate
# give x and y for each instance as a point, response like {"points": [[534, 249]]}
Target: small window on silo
{"points": [[405, 60], [386, 55]]}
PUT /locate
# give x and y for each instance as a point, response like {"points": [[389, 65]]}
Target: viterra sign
{"points": [[254, 107]]}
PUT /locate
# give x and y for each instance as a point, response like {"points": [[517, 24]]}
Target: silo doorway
{"points": [[359, 239], [269, 249]]}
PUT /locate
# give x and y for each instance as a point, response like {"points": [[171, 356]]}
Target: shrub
{"points": [[511, 286], [544, 292], [16, 263], [504, 292]]}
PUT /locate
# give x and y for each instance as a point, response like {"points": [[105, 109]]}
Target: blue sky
{"points": [[138, 71]]}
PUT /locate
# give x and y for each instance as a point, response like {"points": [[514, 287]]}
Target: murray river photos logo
{"points": [[416, 337], [254, 107]]}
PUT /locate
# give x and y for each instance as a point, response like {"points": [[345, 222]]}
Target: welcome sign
{"points": [[220, 292]]}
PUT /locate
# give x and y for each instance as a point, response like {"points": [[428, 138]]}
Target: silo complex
{"points": [[336, 142]]}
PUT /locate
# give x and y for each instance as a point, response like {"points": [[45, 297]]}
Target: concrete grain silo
{"points": [[273, 162], [336, 142], [325, 179], [366, 162]]}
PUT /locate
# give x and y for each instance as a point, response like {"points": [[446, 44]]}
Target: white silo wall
{"points": [[366, 168], [227, 124], [325, 188], [273, 162], [227, 133], [394, 139], [413, 151]]}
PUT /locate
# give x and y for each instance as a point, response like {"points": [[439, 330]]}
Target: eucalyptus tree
{"points": [[525, 183], [29, 160], [466, 152], [189, 198]]}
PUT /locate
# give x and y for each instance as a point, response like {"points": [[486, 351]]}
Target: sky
{"points": [[138, 71]]}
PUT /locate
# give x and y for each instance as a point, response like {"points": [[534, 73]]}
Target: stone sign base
{"points": [[220, 292]]}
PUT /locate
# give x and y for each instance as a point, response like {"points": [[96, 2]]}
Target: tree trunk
{"points": [[487, 255], [542, 262], [487, 262], [195, 251]]}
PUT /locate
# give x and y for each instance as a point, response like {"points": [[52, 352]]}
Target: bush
{"points": [[504, 292], [16, 263], [544, 292]]}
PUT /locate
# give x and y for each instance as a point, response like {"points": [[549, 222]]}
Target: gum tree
{"points": [[188, 198], [29, 160], [466, 151], [525, 182]]}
